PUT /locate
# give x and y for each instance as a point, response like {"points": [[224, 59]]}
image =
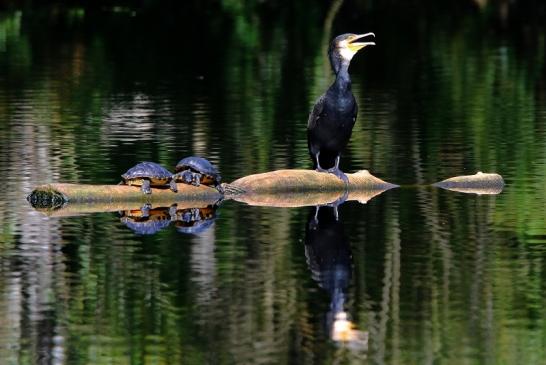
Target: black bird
{"points": [[332, 119]]}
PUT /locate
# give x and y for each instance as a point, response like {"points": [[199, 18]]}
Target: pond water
{"points": [[423, 275]]}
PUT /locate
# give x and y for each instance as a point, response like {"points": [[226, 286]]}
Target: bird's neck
{"points": [[343, 80]]}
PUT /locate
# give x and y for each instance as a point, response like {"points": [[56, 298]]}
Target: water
{"points": [[424, 275]]}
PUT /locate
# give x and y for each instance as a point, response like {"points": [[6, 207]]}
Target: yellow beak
{"points": [[356, 46]]}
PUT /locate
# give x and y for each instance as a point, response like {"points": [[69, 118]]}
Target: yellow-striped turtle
{"points": [[196, 171], [195, 220], [147, 175], [148, 220]]}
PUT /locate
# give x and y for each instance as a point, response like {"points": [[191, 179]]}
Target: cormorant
{"points": [[332, 119]]}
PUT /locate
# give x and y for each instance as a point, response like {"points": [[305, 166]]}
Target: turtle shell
{"points": [[158, 219], [148, 170], [200, 165], [192, 221], [145, 227]]}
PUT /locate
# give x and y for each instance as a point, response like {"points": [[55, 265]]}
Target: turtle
{"points": [[195, 220], [147, 220], [148, 174], [196, 171]]}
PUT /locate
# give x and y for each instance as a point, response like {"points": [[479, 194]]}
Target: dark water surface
{"points": [[425, 276]]}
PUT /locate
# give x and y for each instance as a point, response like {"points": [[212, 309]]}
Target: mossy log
{"points": [[294, 188], [480, 183], [111, 197]]}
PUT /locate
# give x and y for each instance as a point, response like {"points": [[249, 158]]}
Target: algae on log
{"points": [[295, 188], [480, 183], [56, 195]]}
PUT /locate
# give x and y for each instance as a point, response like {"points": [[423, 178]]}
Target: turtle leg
{"points": [[172, 185], [145, 210], [196, 214], [146, 189], [220, 188], [191, 215], [172, 211]]}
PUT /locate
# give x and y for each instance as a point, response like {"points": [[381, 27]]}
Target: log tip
{"points": [[377, 182]]}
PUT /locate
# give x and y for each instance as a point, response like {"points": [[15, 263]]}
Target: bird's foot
{"points": [[314, 223], [335, 204], [340, 174]]}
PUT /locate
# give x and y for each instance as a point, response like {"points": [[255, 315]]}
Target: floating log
{"points": [[283, 188], [295, 188], [480, 183], [111, 197]]}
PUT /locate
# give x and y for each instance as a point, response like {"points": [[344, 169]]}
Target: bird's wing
{"points": [[315, 113]]}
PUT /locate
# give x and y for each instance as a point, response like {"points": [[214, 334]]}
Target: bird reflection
{"points": [[329, 258]]}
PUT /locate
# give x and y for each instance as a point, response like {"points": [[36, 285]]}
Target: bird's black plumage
{"points": [[333, 116]]}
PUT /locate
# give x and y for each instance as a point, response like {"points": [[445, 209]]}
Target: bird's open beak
{"points": [[356, 46]]}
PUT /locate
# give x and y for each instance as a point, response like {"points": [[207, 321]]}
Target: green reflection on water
{"points": [[437, 276]]}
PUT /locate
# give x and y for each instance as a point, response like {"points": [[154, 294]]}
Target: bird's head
{"points": [[345, 46]]}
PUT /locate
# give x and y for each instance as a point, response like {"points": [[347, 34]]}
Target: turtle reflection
{"points": [[194, 220], [329, 259], [147, 220]]}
